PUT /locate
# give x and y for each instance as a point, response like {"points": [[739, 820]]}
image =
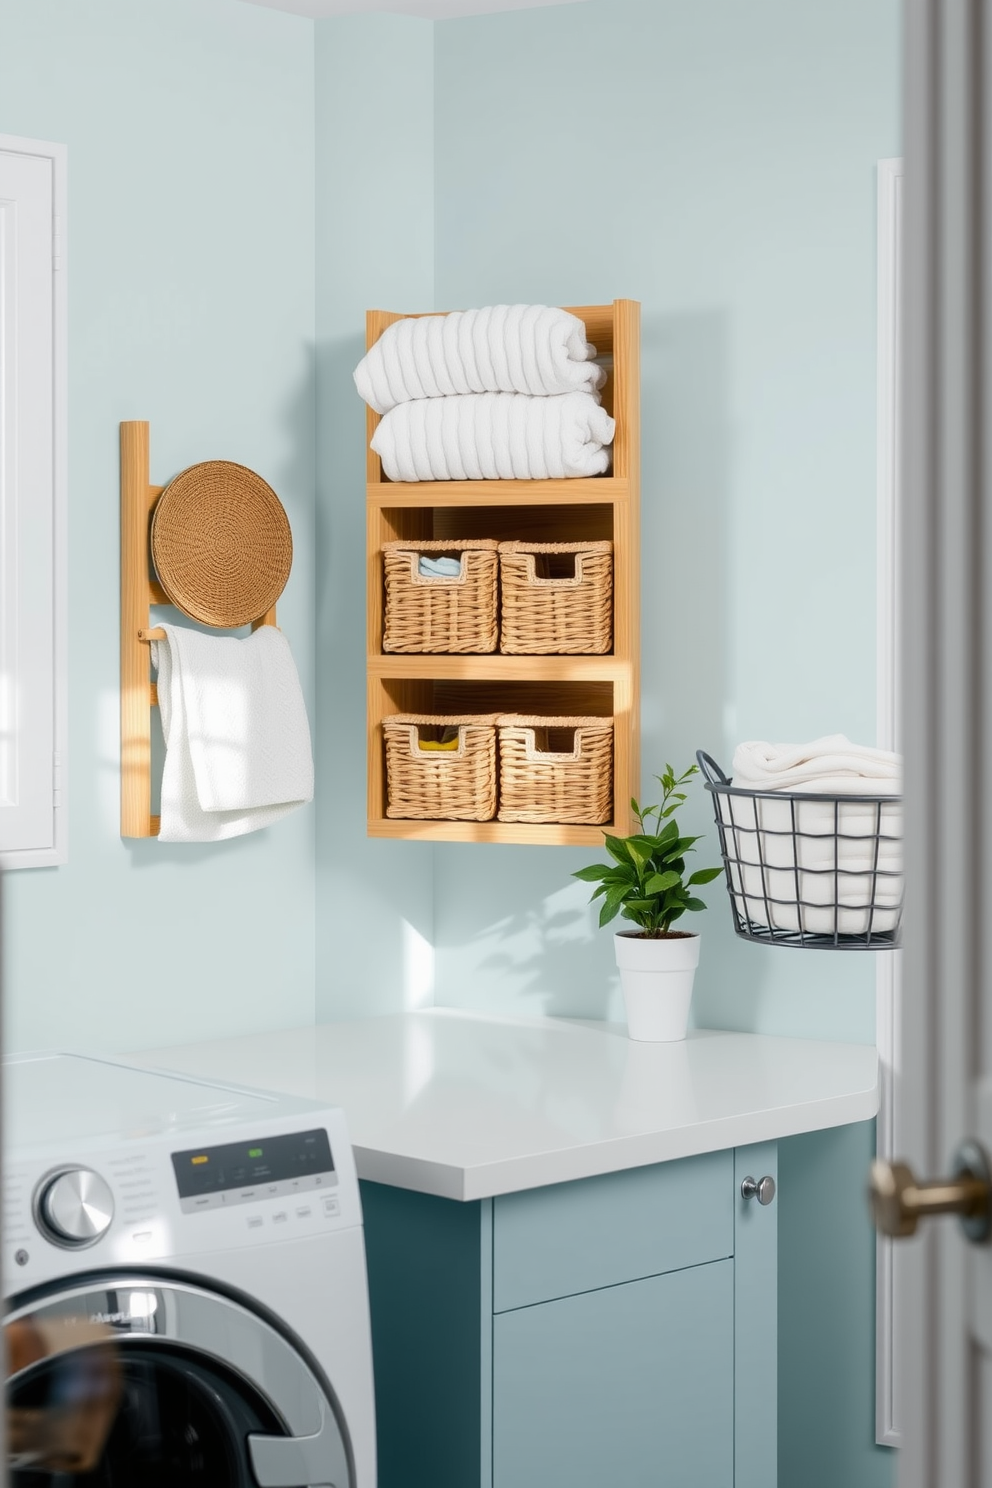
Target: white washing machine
{"points": [[184, 1267]]}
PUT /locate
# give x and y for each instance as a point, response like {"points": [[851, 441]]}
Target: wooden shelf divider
{"points": [[539, 510], [594, 490]]}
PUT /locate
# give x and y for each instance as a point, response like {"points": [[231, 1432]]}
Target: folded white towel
{"points": [[795, 856], [498, 349], [828, 766], [237, 742], [495, 436]]}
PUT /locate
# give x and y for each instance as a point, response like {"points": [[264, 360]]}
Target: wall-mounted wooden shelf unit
{"points": [[535, 511]]}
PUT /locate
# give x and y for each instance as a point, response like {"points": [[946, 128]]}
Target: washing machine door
{"points": [[141, 1381]]}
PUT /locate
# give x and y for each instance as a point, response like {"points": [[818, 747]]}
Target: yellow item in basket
{"points": [[448, 740]]}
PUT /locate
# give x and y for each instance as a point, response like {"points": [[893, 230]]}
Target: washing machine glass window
{"points": [[138, 1381]]}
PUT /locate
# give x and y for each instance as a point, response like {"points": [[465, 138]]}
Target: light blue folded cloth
{"points": [[439, 568]]}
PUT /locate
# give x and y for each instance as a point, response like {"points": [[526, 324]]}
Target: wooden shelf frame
{"points": [[139, 591], [596, 490], [601, 506]]}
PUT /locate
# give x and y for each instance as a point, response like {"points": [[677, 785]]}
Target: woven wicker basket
{"points": [[440, 785], [425, 613], [221, 543], [555, 769], [545, 613]]}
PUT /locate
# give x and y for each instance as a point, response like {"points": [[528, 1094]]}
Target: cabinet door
{"points": [[630, 1386], [575, 1237]]}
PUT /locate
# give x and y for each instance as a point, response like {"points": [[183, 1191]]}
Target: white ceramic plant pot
{"points": [[656, 977]]}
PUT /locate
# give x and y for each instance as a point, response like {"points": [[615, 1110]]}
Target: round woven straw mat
{"points": [[221, 543]]}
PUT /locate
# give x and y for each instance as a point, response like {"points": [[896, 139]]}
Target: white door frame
{"points": [[53, 849], [887, 968]]}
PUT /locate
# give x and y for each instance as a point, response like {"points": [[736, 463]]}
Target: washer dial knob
{"points": [[75, 1207]]}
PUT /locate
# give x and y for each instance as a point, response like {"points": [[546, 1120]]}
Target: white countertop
{"points": [[466, 1105]]}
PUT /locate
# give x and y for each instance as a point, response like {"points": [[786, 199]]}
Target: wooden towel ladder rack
{"points": [[139, 591]]}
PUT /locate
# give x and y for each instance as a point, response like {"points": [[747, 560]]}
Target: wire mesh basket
{"points": [[810, 870]]}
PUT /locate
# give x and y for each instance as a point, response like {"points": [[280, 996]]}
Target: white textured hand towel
{"points": [[237, 741], [499, 349], [795, 856], [495, 436]]}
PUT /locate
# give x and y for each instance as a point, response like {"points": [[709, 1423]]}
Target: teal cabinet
{"points": [[614, 1330], [632, 1384]]}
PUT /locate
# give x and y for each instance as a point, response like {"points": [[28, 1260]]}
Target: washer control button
{"points": [[206, 1201], [74, 1207]]}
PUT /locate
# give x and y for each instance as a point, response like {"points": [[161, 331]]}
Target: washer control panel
{"points": [[289, 1165], [152, 1195]]}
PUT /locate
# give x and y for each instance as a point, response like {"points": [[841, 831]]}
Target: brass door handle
{"points": [[899, 1200]]}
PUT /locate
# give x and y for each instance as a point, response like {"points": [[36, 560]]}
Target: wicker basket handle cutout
{"points": [[221, 544]]}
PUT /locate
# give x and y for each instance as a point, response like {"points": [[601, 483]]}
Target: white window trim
{"points": [[58, 853], [888, 1431]]}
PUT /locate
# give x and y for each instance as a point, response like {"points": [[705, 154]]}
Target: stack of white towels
{"points": [[795, 859], [507, 392]]}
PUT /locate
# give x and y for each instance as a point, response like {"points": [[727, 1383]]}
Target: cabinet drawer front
{"points": [[597, 1232], [630, 1387]]}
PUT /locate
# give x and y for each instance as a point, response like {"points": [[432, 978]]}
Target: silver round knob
{"points": [[74, 1207], [762, 1189]]}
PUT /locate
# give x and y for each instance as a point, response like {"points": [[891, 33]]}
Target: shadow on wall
{"points": [[514, 934], [543, 958], [686, 568], [689, 599], [374, 898], [340, 584]]}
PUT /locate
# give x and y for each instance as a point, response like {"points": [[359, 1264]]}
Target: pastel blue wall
{"points": [[716, 162], [190, 132], [375, 248], [722, 171]]}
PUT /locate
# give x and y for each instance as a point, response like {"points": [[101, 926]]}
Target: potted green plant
{"points": [[647, 882]]}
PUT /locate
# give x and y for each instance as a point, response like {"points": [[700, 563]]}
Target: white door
{"points": [[946, 1077]]}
